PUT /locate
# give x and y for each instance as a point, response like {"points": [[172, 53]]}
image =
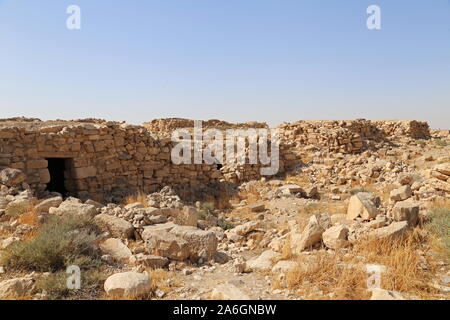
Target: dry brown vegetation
{"points": [[342, 275]]}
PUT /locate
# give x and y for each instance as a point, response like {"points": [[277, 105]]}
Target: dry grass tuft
{"points": [[343, 275], [405, 272], [327, 275]]}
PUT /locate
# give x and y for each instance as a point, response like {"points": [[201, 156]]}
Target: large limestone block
{"points": [[335, 237], [116, 249], [117, 227], [84, 172], [74, 206], [400, 194], [263, 262], [180, 242], [312, 233], [364, 205], [392, 230], [406, 211], [127, 285]]}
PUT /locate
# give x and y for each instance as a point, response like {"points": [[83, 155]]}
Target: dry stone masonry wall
{"points": [[102, 160]]}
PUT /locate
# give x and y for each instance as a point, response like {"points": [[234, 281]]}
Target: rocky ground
{"points": [[315, 233]]}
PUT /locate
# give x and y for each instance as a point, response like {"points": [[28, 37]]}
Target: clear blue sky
{"points": [[236, 60]]}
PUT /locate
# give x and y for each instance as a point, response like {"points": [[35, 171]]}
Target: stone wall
{"points": [[105, 160], [348, 136]]}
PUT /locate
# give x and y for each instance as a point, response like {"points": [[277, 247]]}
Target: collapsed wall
{"points": [[167, 125], [348, 136]]}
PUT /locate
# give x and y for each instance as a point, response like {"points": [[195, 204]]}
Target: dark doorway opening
{"points": [[57, 169]]}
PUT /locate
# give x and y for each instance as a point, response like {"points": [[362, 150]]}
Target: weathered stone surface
{"points": [[257, 207], [85, 172], [245, 228], [291, 189], [116, 227], [392, 230], [312, 233], [16, 288], [227, 291], [263, 262], [443, 168], [74, 206], [187, 217], [116, 248], [364, 205], [46, 204], [335, 237], [149, 230], [151, 261], [406, 211], [284, 266], [127, 285], [181, 242], [401, 193], [12, 177]]}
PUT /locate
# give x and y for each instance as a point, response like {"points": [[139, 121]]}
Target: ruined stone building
{"points": [[101, 160]]}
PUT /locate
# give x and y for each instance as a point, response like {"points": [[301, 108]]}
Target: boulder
{"points": [[406, 211], [311, 192], [243, 229], [116, 249], [12, 177], [335, 237], [127, 285], [16, 288], [312, 233], [46, 204], [263, 262], [117, 227], [181, 242], [400, 194], [291, 189], [151, 261], [364, 205], [257, 207], [74, 206], [392, 230]]}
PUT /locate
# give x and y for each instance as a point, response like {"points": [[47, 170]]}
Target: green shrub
{"points": [[55, 285], [205, 211], [441, 143], [439, 224], [60, 242], [224, 224]]}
